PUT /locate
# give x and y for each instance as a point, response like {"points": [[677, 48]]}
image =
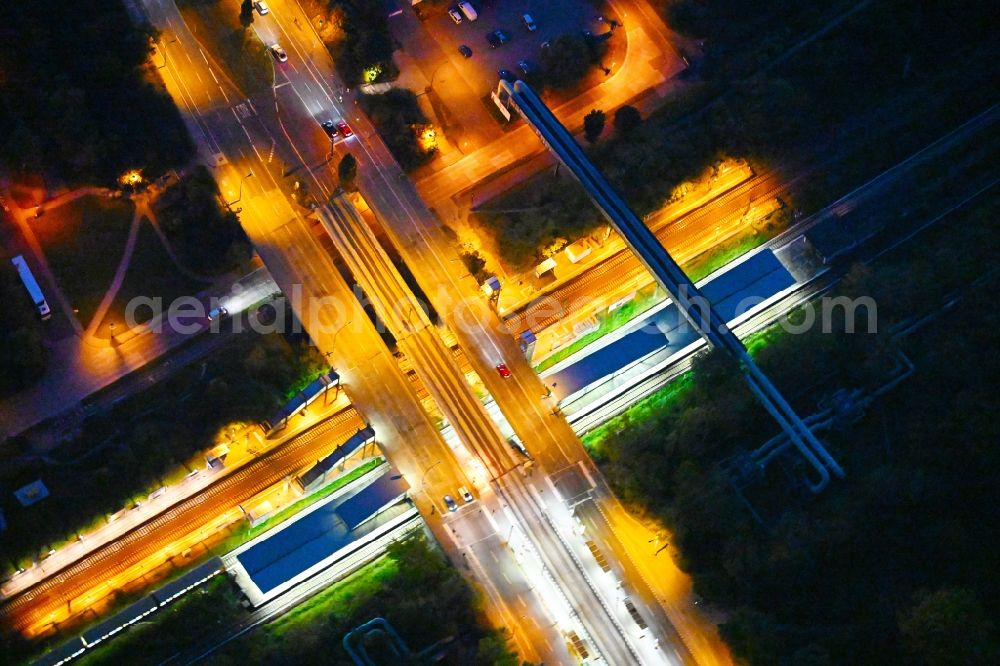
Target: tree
{"points": [[476, 265], [593, 125], [347, 171], [627, 118], [246, 13], [494, 650], [949, 627], [565, 60]]}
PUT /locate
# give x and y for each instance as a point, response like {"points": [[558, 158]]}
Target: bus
{"points": [[37, 297]]}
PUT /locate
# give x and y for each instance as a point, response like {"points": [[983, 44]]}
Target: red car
{"points": [[344, 129], [503, 370]]}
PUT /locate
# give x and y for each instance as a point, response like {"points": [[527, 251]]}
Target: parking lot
{"points": [[460, 84]]}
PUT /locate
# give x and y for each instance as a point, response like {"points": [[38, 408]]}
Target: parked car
{"points": [[450, 503], [278, 53], [468, 10], [455, 15], [465, 51], [502, 368], [529, 23], [497, 38], [261, 7], [466, 495]]}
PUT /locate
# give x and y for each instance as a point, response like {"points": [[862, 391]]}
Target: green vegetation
{"points": [[357, 34], [565, 61], [84, 242], [397, 116], [79, 100], [608, 322], [413, 587], [537, 219], [23, 356], [151, 273], [124, 453], [347, 172], [888, 565], [627, 118], [593, 125], [230, 42], [476, 265], [879, 68], [707, 263], [193, 617], [207, 238]]}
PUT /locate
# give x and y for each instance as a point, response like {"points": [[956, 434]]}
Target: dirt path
{"points": [[90, 335]]}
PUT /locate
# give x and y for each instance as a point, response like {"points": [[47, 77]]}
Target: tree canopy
{"points": [[565, 60], [79, 100], [593, 125], [23, 355], [209, 237]]}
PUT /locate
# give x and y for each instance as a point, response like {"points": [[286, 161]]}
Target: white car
{"points": [[261, 7], [468, 10], [278, 53], [466, 495], [455, 15]]}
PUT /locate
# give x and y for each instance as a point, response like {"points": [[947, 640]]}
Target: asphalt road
{"points": [[267, 150]]}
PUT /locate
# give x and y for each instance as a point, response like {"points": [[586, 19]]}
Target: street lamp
{"points": [[240, 195], [333, 343], [426, 472]]}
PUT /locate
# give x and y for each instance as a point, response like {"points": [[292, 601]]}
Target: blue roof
{"points": [[362, 436], [385, 490], [199, 573], [305, 396], [760, 277], [130, 614], [316, 535]]}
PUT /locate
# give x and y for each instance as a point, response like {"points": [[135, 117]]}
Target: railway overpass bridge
{"points": [[695, 308]]}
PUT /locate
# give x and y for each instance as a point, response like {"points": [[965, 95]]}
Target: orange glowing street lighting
{"points": [[131, 178]]}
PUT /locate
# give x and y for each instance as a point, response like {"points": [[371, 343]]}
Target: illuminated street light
{"points": [[427, 138], [240, 195], [131, 178]]}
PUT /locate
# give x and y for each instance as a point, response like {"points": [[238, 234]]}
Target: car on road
{"points": [[468, 10], [218, 313], [344, 130], [529, 22], [455, 15], [329, 127], [261, 7], [450, 503], [507, 75], [503, 370], [525, 67], [465, 50], [278, 53], [497, 38], [466, 495]]}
